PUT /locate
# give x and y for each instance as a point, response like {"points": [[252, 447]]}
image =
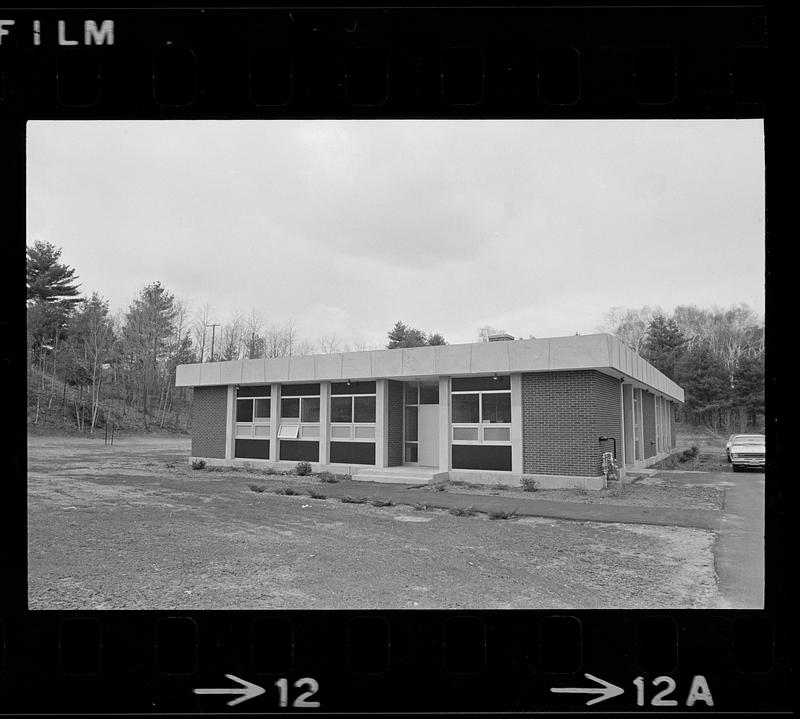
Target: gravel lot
{"points": [[117, 528]]}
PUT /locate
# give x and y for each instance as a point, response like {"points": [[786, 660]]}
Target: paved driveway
{"points": [[739, 549]]}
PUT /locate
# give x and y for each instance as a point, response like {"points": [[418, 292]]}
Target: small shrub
{"points": [[438, 486], [270, 470], [382, 503], [314, 494], [303, 469], [215, 469], [463, 512], [290, 491], [581, 492], [327, 477], [170, 465], [420, 507], [256, 487], [198, 464], [529, 484], [347, 499], [501, 514]]}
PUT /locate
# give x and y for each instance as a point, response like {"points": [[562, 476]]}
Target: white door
{"points": [[428, 452]]}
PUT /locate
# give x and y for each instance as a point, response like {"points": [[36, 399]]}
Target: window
{"points": [[299, 412], [477, 402], [353, 410], [253, 412]]}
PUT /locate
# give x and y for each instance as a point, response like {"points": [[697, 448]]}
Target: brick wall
{"points": [[649, 423], [209, 417], [395, 424], [563, 414], [607, 415]]}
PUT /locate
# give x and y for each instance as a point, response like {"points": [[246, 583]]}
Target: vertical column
{"points": [[444, 424], [324, 422], [621, 455], [274, 420], [230, 425], [381, 423], [642, 450], [516, 423]]}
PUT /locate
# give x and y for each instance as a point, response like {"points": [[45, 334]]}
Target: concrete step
{"points": [[399, 476], [641, 472]]}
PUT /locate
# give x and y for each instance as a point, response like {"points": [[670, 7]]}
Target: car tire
{"points": [[736, 468]]}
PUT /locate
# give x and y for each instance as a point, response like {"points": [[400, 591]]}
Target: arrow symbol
{"points": [[247, 690], [607, 691]]}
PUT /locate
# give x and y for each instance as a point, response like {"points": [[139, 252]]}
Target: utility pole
{"points": [[213, 332]]}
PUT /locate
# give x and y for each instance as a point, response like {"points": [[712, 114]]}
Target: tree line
{"points": [[717, 355], [89, 367]]}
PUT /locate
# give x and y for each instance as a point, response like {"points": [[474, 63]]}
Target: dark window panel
{"points": [[244, 410], [298, 450], [477, 456], [497, 407], [473, 384], [411, 424], [251, 449], [353, 388], [364, 410], [341, 409], [310, 409], [465, 408], [300, 390], [429, 393], [290, 408], [261, 390], [353, 452]]}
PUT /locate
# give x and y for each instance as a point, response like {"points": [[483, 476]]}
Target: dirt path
{"points": [[114, 528]]}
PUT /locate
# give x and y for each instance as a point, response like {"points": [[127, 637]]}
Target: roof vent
{"points": [[500, 337]]}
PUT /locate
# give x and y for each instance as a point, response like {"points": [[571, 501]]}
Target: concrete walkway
{"points": [[533, 507]]}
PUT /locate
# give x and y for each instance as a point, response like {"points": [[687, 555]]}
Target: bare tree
{"points": [[253, 328], [329, 344], [200, 324]]}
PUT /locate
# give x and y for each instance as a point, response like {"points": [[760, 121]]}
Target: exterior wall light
{"points": [[494, 376]]}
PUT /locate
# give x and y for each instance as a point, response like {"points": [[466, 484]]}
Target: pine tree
{"points": [[48, 280], [663, 345], [403, 336]]}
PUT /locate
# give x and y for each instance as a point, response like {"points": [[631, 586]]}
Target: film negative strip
{"points": [[174, 600]]}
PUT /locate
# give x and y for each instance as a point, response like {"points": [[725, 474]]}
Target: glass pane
{"points": [[244, 430], [411, 423], [244, 410], [290, 407], [465, 409], [341, 432], [497, 434], [341, 409], [497, 407], [365, 432], [429, 393], [262, 430], [465, 434], [310, 408], [261, 408], [411, 453], [309, 432], [364, 409], [411, 393], [288, 431]]}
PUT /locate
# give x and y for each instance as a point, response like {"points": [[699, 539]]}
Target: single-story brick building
{"points": [[487, 412]]}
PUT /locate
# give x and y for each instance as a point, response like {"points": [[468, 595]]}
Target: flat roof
{"points": [[597, 351]]}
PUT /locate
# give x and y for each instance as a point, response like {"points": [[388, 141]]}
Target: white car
{"points": [[747, 450]]}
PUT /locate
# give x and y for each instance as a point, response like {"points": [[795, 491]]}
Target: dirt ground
{"points": [[131, 527]]}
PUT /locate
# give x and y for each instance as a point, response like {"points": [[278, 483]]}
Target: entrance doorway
{"points": [[421, 425]]}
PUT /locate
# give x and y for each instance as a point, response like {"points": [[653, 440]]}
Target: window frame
{"points": [[285, 424], [481, 425], [265, 423], [352, 425]]}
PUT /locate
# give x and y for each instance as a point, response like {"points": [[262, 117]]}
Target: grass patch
{"points": [[420, 507], [198, 464], [383, 503], [215, 469], [468, 485], [347, 499], [438, 486], [463, 512], [314, 494], [170, 465], [257, 487], [501, 514]]}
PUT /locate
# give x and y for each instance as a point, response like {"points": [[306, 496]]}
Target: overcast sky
{"points": [[534, 227]]}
